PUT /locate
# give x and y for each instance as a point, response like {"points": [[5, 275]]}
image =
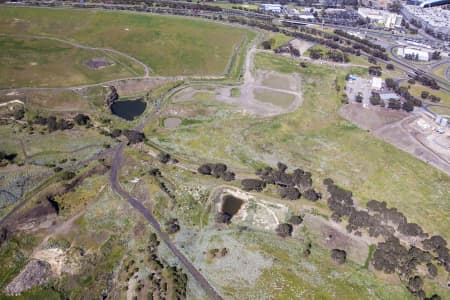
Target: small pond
{"points": [[231, 205], [129, 109]]}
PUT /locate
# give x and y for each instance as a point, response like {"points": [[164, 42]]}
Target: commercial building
{"points": [[434, 20], [272, 8], [381, 17], [388, 96], [414, 53]]}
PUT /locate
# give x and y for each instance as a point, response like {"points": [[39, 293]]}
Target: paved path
{"points": [[114, 178]]}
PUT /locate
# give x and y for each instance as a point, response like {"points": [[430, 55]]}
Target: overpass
{"points": [[431, 3]]}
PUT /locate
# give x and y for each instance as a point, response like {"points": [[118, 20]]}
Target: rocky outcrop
{"points": [[111, 96], [35, 273]]}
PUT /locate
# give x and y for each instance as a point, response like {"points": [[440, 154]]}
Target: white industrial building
{"points": [[414, 52], [273, 8], [382, 17], [377, 83]]}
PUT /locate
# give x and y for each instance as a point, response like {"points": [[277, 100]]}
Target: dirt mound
{"points": [[35, 273]]}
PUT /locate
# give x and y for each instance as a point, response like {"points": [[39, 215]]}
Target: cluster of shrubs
{"points": [[217, 170], [427, 81], [172, 226], [291, 186], [53, 123], [438, 246], [333, 55], [289, 49], [215, 253], [409, 101], [6, 158], [426, 95], [284, 229], [375, 220], [133, 136], [82, 120], [163, 157], [375, 71], [163, 276], [390, 256]]}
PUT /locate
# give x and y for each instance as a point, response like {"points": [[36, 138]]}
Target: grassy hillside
{"points": [[316, 138], [169, 45], [41, 62]]}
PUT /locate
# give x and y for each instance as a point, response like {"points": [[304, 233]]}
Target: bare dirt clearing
{"points": [[171, 123], [301, 45], [412, 133], [331, 235], [263, 93], [254, 211], [372, 117]]}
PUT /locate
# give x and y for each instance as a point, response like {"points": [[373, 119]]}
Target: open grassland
{"points": [[169, 45], [295, 277], [316, 138], [27, 62]]}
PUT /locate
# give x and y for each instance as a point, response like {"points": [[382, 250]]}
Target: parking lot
{"points": [[360, 86]]}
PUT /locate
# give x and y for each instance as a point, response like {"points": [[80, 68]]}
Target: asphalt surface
{"points": [[114, 179]]}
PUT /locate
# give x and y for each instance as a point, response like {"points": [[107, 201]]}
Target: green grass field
{"points": [[316, 138], [169, 45], [40, 63]]}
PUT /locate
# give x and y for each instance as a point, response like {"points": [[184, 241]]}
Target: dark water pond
{"points": [[231, 204], [128, 109]]}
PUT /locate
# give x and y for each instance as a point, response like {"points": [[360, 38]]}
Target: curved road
{"points": [[115, 184], [114, 178]]}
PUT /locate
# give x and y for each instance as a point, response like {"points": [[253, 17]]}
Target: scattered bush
{"points": [[133, 136], [116, 133], [295, 220], [68, 175], [291, 193], [284, 229], [253, 185], [311, 195], [164, 157], [81, 119]]}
